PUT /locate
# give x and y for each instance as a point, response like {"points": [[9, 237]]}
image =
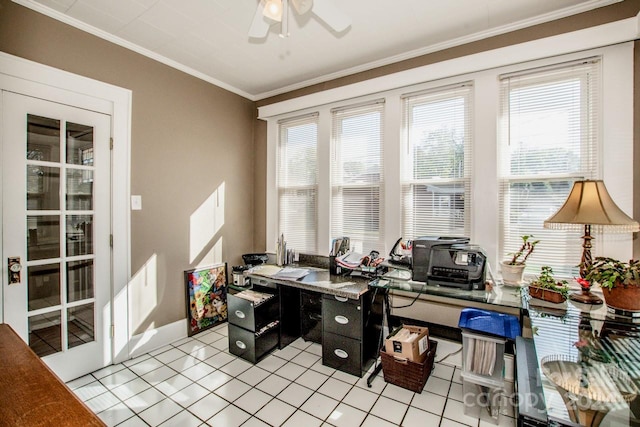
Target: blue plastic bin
{"points": [[490, 322]]}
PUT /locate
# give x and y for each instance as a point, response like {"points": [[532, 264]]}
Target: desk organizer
{"points": [[407, 374]]}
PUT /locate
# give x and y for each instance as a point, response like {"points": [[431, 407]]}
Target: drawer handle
{"points": [[241, 345], [342, 320], [240, 314], [341, 353], [341, 299]]}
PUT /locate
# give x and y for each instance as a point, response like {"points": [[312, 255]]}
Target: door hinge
{"points": [[111, 240], [113, 331], [111, 143]]}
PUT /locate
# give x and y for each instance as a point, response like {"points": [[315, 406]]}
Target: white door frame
{"points": [[30, 78]]}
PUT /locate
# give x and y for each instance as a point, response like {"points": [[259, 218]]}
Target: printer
{"points": [[449, 261]]}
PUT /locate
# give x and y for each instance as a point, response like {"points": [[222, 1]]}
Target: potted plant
{"points": [[547, 288], [620, 282], [513, 268]]}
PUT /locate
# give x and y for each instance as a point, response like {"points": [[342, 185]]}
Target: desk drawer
{"points": [[342, 317], [246, 344], [247, 315], [342, 353]]}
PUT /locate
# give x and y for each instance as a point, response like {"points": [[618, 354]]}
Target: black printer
{"points": [[448, 261]]}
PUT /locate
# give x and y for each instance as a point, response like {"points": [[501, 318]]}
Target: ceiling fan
{"points": [[269, 12]]}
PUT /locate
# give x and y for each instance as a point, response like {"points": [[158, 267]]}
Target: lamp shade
{"points": [[589, 203]]}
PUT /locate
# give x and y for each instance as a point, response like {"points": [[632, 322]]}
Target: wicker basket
{"points": [[408, 374]]}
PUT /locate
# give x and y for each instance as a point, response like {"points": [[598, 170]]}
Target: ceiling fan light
{"points": [[273, 10], [302, 6]]}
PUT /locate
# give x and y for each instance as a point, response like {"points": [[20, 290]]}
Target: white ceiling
{"points": [[209, 38]]}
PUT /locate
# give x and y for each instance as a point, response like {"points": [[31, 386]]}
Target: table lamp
{"points": [[590, 205]]}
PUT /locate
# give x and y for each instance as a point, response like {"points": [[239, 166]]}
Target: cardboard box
{"points": [[414, 350]]}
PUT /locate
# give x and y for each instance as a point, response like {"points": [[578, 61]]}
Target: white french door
{"points": [[56, 231]]}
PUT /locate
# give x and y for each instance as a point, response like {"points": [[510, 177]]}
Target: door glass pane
{"points": [[79, 144], [45, 334], [44, 286], [79, 190], [79, 280], [80, 325], [43, 188], [79, 235], [43, 238], [43, 139]]}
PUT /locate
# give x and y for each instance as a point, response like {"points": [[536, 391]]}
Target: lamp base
{"points": [[585, 297]]}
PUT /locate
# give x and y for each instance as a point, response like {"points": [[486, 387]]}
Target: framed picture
{"points": [[206, 297]]}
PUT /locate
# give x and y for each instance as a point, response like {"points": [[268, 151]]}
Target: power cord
{"points": [[450, 354]]}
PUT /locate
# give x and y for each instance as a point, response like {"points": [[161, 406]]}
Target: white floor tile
{"points": [[160, 412], [214, 380], [311, 379], [203, 353], [418, 418], [222, 329], [134, 421], [346, 416], [90, 390], [443, 371], [142, 401], [191, 346], [275, 412], [290, 371], [156, 376], [347, 378], [400, 394], [373, 421], [306, 359], [335, 388], [429, 402], [136, 360], [360, 398], [437, 385], [221, 344], [255, 422], [455, 392], [319, 405], [116, 414], [118, 378], [271, 363], [456, 376], [108, 370], [315, 348], [131, 388], [102, 402], [145, 366], [183, 419], [229, 416], [208, 406], [253, 375], [198, 371], [295, 394], [190, 395], [273, 384], [236, 367], [173, 384], [454, 410], [390, 410], [323, 369], [232, 390], [301, 344], [209, 337], [79, 382], [183, 363], [287, 353], [450, 423], [300, 419], [377, 384], [170, 355], [252, 401], [220, 359]]}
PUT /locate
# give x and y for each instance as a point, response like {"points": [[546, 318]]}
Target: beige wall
{"points": [[615, 12], [188, 137]]}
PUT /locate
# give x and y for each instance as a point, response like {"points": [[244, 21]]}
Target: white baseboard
{"points": [[156, 338]]}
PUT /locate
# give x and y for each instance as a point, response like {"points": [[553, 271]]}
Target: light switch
{"points": [[136, 203]]}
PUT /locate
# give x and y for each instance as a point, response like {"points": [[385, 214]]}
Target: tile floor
{"points": [[197, 382]]}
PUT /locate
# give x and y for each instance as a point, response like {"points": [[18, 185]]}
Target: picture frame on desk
{"points": [[206, 297]]}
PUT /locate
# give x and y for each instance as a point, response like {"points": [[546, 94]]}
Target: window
{"points": [[436, 158], [549, 138], [356, 176], [298, 183]]}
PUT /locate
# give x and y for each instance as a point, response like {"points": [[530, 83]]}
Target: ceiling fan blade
{"points": [[302, 6], [259, 26], [331, 15]]}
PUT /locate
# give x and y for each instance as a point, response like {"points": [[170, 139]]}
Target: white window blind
{"points": [[356, 176], [549, 138], [436, 159], [298, 183]]}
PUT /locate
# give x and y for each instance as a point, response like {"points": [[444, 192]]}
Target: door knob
{"points": [[14, 267]]}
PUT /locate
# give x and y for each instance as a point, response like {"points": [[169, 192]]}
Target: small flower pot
{"points": [[512, 274], [546, 294]]}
